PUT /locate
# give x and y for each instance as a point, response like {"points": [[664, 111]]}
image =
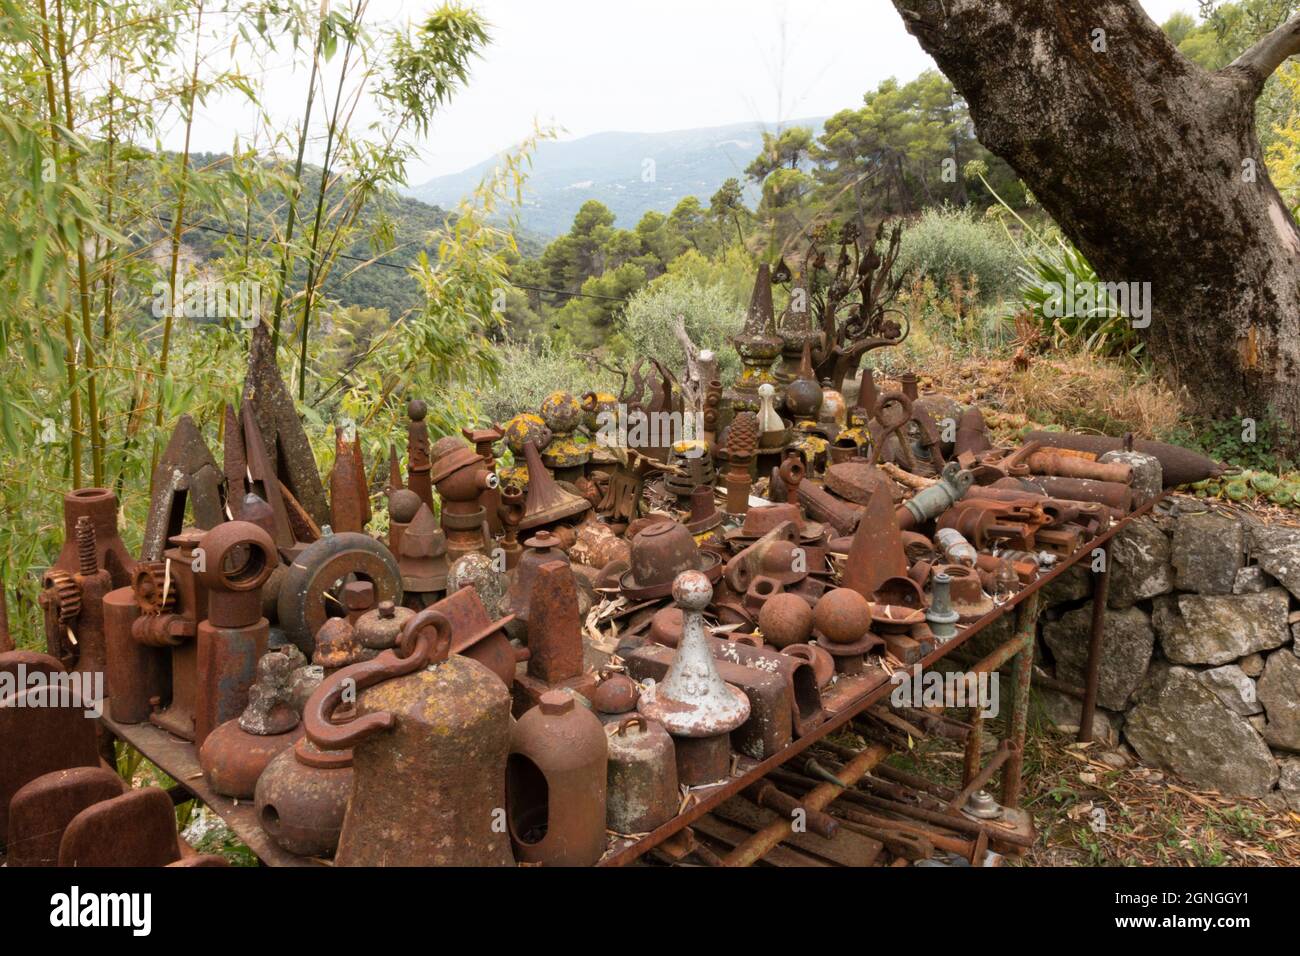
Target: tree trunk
{"points": [[1144, 160]]}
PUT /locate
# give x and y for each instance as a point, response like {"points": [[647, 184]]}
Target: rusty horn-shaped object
{"points": [[547, 502], [349, 498], [876, 553], [693, 703]]}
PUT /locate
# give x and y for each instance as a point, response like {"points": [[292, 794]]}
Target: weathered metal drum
{"points": [[642, 789]]}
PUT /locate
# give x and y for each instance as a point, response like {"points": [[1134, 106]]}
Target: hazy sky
{"points": [[594, 65]]}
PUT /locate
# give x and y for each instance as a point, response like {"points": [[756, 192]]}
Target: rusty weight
{"points": [[641, 789], [429, 743]]}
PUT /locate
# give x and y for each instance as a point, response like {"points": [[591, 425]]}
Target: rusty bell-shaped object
{"points": [[694, 703], [429, 746]]}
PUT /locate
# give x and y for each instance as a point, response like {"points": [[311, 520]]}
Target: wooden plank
{"points": [[179, 760]]}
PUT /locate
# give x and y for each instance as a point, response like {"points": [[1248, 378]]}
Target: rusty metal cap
{"points": [[659, 554]]}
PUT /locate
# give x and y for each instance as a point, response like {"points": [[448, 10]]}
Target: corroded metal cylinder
{"points": [[555, 784], [642, 778]]}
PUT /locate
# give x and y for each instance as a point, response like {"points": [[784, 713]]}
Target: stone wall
{"points": [[1200, 673]]}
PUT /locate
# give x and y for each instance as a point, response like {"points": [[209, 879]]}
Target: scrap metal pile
{"points": [[542, 662]]}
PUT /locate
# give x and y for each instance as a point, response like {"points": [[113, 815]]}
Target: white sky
{"points": [[595, 65]]}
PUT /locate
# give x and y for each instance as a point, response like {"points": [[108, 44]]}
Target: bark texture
{"points": [[1138, 154]]}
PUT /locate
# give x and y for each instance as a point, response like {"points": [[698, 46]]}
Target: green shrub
{"points": [[534, 368], [947, 242], [711, 313]]}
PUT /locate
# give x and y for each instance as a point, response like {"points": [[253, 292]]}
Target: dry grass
{"points": [[1074, 391], [1097, 807]]}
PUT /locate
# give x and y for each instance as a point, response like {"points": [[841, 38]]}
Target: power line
{"points": [[398, 265]]}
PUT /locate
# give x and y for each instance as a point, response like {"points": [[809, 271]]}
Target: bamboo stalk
{"points": [[177, 225], [69, 339]]}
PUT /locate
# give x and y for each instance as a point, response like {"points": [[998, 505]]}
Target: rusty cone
{"points": [[547, 502]]}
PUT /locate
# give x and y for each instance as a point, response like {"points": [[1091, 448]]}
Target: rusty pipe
{"points": [[819, 798]]}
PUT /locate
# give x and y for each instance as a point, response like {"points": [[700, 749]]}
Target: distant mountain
{"points": [[629, 172]]}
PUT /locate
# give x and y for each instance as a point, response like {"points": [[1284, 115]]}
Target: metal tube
{"points": [[981, 778], [819, 798], [1100, 592], [1018, 723]]}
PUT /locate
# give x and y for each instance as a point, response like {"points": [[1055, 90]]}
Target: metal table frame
{"points": [[179, 760]]}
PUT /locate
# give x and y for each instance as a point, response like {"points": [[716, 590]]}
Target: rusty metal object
{"points": [[546, 501], [757, 344], [74, 605], [968, 597], [99, 506], [769, 728], [349, 491], [816, 656], [45, 725], [659, 554], [422, 557], [855, 480], [1109, 493], [237, 560], [310, 591], [461, 476], [641, 788], [818, 798], [955, 548], [1180, 466], [555, 784], [615, 694], [1067, 465], [380, 627], [972, 433], [42, 809], [843, 516], [806, 712], [692, 702], [542, 547], [282, 433], [302, 796], [484, 441], [186, 474], [554, 629], [137, 673], [842, 623], [137, 828], [234, 755], [474, 633], [766, 795], [876, 552], [785, 619], [429, 744], [742, 443]]}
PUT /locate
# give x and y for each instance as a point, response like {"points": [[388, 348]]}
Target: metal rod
{"points": [[980, 779], [1018, 723], [818, 798], [1100, 592]]}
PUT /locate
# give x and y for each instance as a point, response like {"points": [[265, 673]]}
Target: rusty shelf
{"points": [[178, 759], [848, 699]]}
